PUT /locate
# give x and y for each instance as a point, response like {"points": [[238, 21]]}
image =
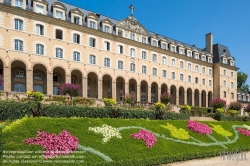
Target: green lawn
{"points": [[124, 151]]}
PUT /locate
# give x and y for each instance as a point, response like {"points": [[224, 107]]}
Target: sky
{"points": [[187, 21]]}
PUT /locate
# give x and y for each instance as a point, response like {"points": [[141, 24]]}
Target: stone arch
{"points": [[154, 92], [40, 63], [181, 96], [58, 79], [196, 97], [120, 88], [164, 88], [144, 91], [18, 76], [17, 59], [133, 87], [92, 90], [173, 93], [107, 86], [40, 78], [203, 98], [3, 62], [189, 97], [76, 78], [59, 66], [210, 97]]}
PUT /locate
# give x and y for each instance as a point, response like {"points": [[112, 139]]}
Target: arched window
{"points": [[144, 69], [196, 68], [18, 87], [59, 53], [39, 29], [154, 58], [144, 55], [37, 75], [164, 73], [38, 88], [120, 64], [92, 42], [19, 73], [76, 56], [132, 67], [154, 73], [76, 38], [132, 52], [181, 77], [106, 62]]}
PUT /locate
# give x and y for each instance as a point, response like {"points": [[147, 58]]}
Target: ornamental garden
{"points": [[66, 130]]}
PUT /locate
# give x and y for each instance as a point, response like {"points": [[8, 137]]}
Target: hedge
{"points": [[222, 117], [11, 110]]}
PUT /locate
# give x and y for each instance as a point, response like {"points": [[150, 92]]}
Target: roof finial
{"points": [[132, 9]]}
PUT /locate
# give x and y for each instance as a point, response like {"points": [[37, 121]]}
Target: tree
{"points": [[241, 82]]}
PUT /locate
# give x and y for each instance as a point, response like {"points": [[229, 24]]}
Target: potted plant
{"points": [[35, 95]]}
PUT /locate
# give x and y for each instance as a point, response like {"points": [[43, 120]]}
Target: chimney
{"points": [[209, 43]]}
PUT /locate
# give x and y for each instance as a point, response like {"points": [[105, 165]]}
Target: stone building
{"points": [[46, 43]]}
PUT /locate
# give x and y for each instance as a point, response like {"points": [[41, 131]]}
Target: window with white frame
{"points": [[173, 48], [154, 58], [19, 3], [106, 62], [196, 68], [154, 43], [164, 73], [76, 20], [189, 66], [39, 29], [203, 81], [231, 63], [210, 83], [59, 53], [38, 88], [59, 34], [18, 24], [232, 74], [181, 51], [224, 94], [39, 9], [92, 42], [92, 24], [92, 59], [196, 56], [210, 60], [132, 52], [164, 60], [210, 71], [132, 67], [181, 64], [173, 62], [224, 72], [106, 29], [76, 56], [181, 77], [203, 58], [37, 75], [224, 83], [120, 33], [232, 85], [132, 36], [203, 70], [173, 75], [76, 38], [19, 73], [196, 80], [120, 64], [189, 53], [225, 60], [39, 49], [143, 55], [189, 78], [120, 49], [59, 14], [144, 69], [164, 46], [18, 45], [143, 40], [107, 46], [154, 72]]}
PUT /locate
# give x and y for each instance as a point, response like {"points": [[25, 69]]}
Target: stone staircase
{"points": [[196, 118]]}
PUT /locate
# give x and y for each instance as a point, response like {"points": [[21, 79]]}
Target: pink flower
{"points": [[244, 132], [54, 145], [199, 127], [146, 136]]}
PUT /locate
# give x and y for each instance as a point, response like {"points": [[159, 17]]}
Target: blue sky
{"points": [[187, 21]]}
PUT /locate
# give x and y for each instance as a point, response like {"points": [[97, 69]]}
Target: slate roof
{"points": [[220, 50]]}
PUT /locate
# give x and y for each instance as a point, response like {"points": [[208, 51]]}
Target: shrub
{"points": [[186, 108], [220, 110], [109, 102], [166, 98], [129, 98], [247, 108], [233, 112], [37, 95], [159, 105], [218, 103], [71, 89], [83, 101], [235, 106]]}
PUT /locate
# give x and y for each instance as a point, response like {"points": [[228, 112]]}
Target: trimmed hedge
{"points": [[11, 110], [222, 117], [199, 110]]}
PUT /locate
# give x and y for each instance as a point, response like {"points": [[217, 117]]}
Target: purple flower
{"points": [[199, 127], [146, 136], [244, 132]]}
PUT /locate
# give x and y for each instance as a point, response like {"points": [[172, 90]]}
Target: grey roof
{"points": [[220, 50]]}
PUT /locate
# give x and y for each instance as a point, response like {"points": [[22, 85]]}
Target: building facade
{"points": [[46, 43]]}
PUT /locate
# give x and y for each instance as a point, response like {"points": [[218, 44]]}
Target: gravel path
{"points": [[215, 161]]}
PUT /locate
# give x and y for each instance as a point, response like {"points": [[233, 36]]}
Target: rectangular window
{"points": [[39, 49], [59, 53], [92, 59], [132, 52], [18, 45], [92, 24], [210, 83], [132, 67], [144, 69], [106, 29], [154, 71], [39, 29], [196, 56], [189, 79], [232, 74], [210, 60], [224, 72], [143, 40], [120, 49], [173, 75], [164, 73], [120, 33], [164, 60], [203, 81], [154, 43], [203, 70], [232, 85], [76, 38], [181, 64], [210, 72], [120, 65], [107, 62], [92, 42], [181, 51], [189, 53], [107, 46], [144, 55], [132, 36], [154, 58], [76, 20], [173, 48], [19, 3], [196, 68], [76, 56], [173, 62], [196, 80], [164, 46], [189, 66], [181, 77], [224, 83], [203, 58], [59, 15], [39, 9], [18, 24]]}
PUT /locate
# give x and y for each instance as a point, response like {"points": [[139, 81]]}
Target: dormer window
{"points": [[120, 33], [106, 29], [210, 60], [19, 3], [181, 51], [196, 56], [154, 43], [173, 48], [203, 58], [132, 36], [232, 63], [144, 40], [225, 60], [39, 9], [164, 46], [92, 24], [76, 20], [59, 14], [189, 53]]}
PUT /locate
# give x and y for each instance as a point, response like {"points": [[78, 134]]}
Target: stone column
{"points": [[114, 90], [206, 100], [84, 87], [149, 94], [100, 89], [126, 88], [7, 79], [138, 93], [67, 79], [193, 99], [29, 80], [50, 83], [159, 94], [177, 97], [200, 99], [185, 97]]}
